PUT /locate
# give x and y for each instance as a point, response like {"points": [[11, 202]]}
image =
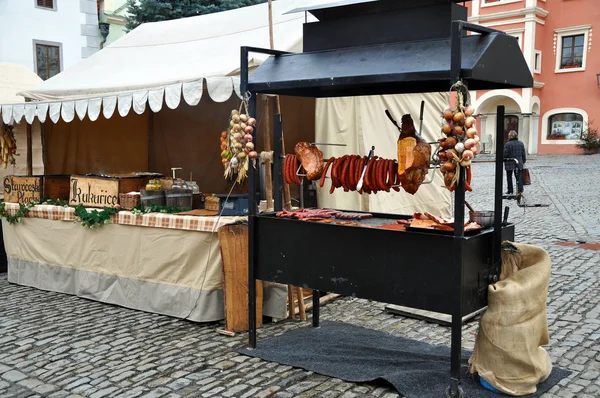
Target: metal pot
{"points": [[483, 218]]}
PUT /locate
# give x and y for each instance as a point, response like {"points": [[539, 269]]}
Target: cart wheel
{"points": [[459, 394]]}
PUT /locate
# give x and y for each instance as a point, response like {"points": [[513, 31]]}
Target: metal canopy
{"points": [[344, 8], [490, 61]]}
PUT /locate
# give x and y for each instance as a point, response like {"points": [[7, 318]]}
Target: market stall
{"points": [[13, 79], [165, 108], [423, 261]]}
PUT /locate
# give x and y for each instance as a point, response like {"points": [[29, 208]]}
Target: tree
{"points": [[141, 11]]}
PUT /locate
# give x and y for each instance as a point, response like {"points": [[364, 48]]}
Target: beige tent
{"points": [[14, 79], [159, 97]]}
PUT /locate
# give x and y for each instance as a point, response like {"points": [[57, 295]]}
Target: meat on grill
{"points": [[413, 156], [311, 158]]}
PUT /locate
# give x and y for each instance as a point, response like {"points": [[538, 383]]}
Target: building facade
{"points": [[48, 36], [112, 20], [556, 37]]}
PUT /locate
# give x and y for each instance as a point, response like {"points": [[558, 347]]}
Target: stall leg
{"points": [[497, 253], [316, 308]]}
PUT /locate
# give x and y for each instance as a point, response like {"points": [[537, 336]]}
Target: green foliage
{"points": [[16, 218], [87, 219], [590, 140], [141, 11], [94, 218], [139, 210]]}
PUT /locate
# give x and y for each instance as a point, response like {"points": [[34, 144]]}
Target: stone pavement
{"points": [[55, 345]]}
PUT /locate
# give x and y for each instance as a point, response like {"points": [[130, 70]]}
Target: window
{"points": [[572, 51], [571, 47], [488, 3], [537, 62], [565, 126], [45, 4], [47, 60]]}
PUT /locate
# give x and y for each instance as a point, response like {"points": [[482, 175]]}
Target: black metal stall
{"points": [[368, 47]]}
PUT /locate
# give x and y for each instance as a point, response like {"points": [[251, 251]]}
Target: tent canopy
{"points": [[158, 62], [13, 79]]}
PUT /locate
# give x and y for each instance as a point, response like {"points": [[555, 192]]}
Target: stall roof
{"points": [[346, 7], [490, 61], [13, 79], [158, 62]]}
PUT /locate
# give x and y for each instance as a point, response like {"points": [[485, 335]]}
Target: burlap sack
{"points": [[508, 352]]}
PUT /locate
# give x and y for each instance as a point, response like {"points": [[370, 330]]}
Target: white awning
{"points": [[159, 63]]}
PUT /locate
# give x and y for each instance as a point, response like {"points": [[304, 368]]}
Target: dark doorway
{"points": [[511, 122]]}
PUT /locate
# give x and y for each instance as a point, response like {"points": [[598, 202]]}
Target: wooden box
{"points": [[93, 191], [56, 187], [20, 189]]}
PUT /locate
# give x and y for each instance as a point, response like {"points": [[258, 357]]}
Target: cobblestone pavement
{"points": [[55, 345]]}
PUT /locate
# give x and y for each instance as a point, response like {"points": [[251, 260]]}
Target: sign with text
{"points": [[94, 192], [22, 189]]}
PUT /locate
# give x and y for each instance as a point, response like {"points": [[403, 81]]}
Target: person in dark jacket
{"points": [[514, 161]]}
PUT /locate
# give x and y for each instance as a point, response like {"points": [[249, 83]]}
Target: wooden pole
{"points": [[29, 154], [287, 201], [151, 160], [267, 138]]}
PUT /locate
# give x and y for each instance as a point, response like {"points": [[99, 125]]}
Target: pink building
{"points": [[556, 39]]}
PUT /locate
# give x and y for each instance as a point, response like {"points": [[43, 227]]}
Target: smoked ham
{"points": [[311, 158], [413, 156]]}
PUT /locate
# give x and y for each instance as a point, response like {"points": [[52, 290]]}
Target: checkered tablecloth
{"points": [[125, 217]]}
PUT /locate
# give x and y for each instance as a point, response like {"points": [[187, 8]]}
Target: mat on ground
{"points": [[356, 354]]}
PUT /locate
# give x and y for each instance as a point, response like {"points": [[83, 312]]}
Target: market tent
{"points": [[13, 79], [163, 61], [157, 64]]}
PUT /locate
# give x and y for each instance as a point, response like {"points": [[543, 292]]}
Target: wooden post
{"points": [[29, 154], [301, 306], [233, 240], [151, 160], [267, 139]]}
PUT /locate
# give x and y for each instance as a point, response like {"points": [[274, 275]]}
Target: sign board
{"points": [[22, 189], [94, 191]]}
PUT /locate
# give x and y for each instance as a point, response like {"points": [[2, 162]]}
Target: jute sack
{"points": [[508, 352]]}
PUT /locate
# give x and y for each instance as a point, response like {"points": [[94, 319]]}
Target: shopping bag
{"points": [[526, 177]]}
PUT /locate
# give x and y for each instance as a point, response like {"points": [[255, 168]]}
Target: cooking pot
{"points": [[483, 218]]}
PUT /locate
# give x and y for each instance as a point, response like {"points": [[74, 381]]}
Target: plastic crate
{"points": [[235, 205]]}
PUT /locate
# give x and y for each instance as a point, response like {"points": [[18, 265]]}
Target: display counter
{"points": [[162, 263]]}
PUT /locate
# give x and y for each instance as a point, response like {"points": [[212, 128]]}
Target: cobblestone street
{"points": [[55, 345]]}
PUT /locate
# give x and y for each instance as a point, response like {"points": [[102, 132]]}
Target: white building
{"points": [[48, 36]]}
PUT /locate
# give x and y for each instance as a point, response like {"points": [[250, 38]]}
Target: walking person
{"points": [[514, 161]]}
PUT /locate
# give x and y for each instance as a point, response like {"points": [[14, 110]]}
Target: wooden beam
{"points": [[301, 305], [233, 240], [266, 142], [151, 151], [29, 154], [325, 299]]}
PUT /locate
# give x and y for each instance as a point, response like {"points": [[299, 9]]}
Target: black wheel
{"points": [[459, 394]]}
